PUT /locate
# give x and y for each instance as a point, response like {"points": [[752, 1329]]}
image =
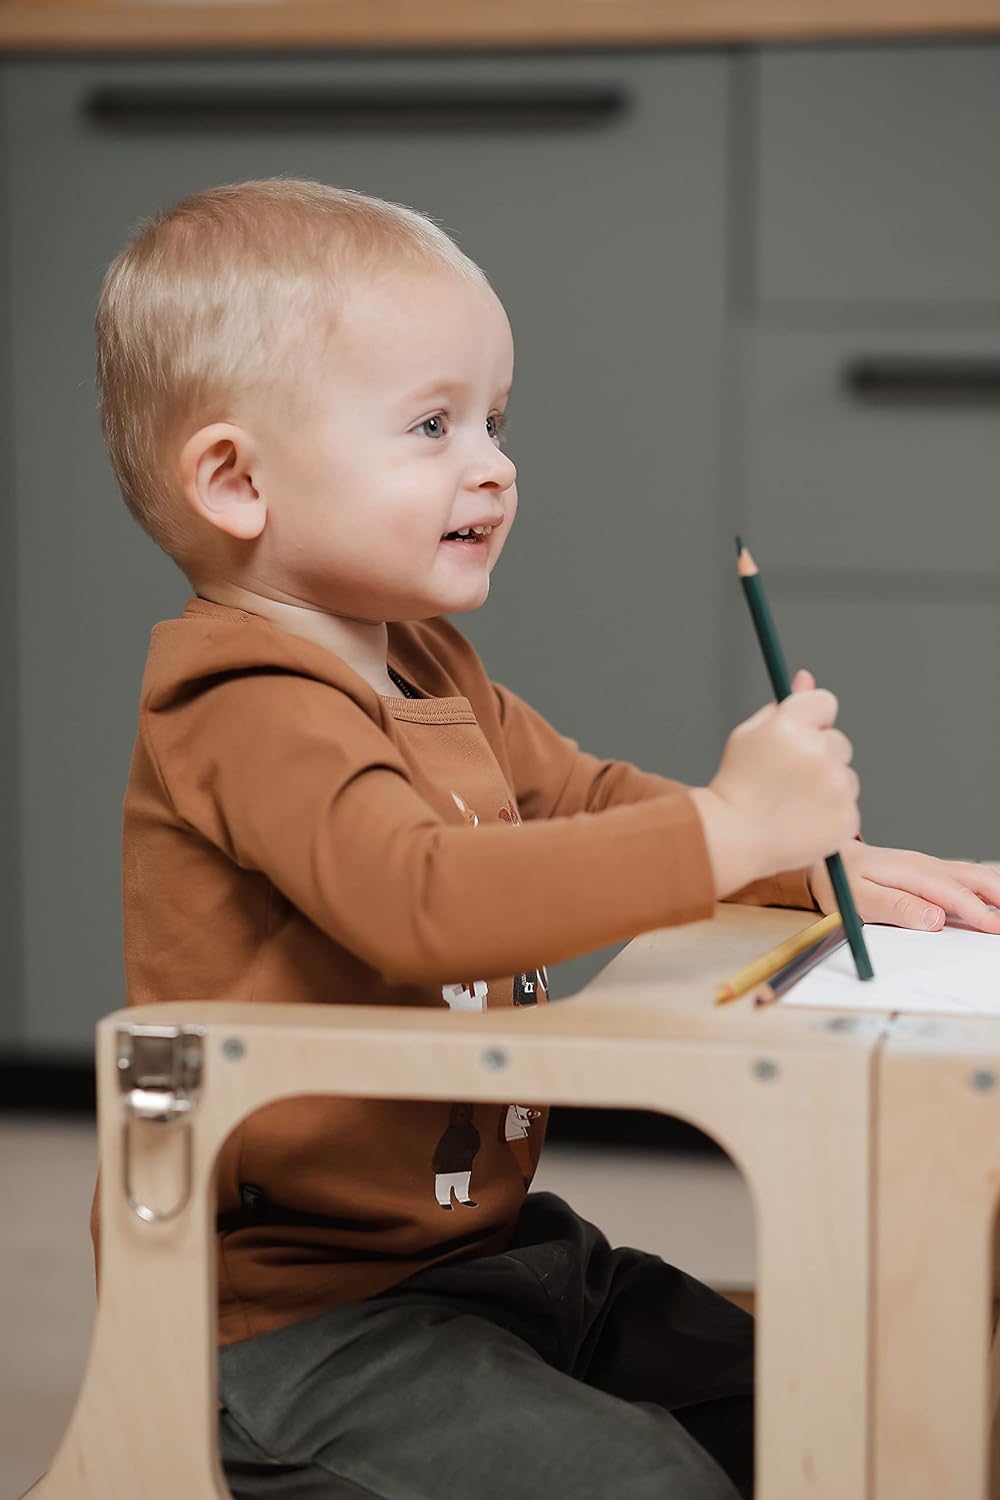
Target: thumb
{"points": [[803, 681], [896, 908]]}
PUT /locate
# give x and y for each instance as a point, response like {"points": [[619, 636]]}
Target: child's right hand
{"points": [[784, 795]]}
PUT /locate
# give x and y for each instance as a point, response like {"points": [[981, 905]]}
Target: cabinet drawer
{"points": [[856, 457], [917, 698], [877, 172]]}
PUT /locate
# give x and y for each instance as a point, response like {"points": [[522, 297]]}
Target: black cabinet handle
{"points": [[912, 379], [175, 108]]}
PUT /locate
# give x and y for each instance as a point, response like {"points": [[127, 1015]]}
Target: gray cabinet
{"points": [[592, 190], [853, 481], [877, 175], [865, 445]]}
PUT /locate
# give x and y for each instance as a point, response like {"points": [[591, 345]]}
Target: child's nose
{"points": [[498, 472]]}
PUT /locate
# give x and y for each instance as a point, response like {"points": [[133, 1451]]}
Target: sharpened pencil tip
{"points": [[745, 565], [739, 545]]}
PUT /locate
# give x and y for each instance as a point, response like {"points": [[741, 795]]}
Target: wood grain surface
{"points": [[235, 25]]}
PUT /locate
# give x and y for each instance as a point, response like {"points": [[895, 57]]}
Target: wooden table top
{"points": [[661, 987], [246, 25]]}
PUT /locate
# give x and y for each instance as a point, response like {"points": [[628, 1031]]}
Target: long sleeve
{"points": [[297, 782], [553, 776]]}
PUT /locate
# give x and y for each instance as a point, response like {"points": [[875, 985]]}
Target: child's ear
{"points": [[217, 480]]}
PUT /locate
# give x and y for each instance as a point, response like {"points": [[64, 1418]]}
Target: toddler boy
{"points": [[303, 394]]}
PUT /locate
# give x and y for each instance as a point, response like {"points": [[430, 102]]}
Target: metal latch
{"points": [[159, 1081]]}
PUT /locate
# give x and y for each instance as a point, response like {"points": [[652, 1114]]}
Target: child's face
{"points": [[394, 443]]}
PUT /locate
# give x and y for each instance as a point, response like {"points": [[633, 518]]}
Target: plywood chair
{"points": [[788, 1094]]}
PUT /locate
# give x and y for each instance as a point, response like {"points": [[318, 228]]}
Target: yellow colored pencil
{"points": [[769, 963], [788, 976]]}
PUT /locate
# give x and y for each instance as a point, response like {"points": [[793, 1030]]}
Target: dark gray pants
{"points": [[560, 1368]]}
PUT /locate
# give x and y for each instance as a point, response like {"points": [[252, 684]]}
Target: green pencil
{"points": [[777, 670]]}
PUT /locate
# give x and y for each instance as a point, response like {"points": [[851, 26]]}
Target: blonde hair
{"points": [[194, 310]]}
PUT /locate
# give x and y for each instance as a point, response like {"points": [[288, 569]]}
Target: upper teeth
{"points": [[479, 530]]}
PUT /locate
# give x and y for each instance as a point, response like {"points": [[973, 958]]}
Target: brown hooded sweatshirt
{"points": [[292, 835]]}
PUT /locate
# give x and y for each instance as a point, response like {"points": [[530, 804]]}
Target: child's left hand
{"points": [[905, 889]]}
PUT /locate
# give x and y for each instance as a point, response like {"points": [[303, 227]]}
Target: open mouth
{"points": [[468, 535]]}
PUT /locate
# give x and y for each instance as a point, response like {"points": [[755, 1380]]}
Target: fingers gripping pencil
{"points": [[777, 670]]}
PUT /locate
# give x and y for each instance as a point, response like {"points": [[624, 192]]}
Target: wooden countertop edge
{"points": [[451, 25]]}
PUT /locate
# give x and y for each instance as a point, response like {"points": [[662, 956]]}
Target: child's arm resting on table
{"points": [[301, 785], [903, 888]]}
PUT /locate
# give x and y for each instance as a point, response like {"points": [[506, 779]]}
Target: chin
{"points": [[471, 603]]}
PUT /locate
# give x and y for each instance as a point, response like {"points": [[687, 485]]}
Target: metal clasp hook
{"points": [[159, 1079]]}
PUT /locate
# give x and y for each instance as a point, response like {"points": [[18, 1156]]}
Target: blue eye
{"points": [[433, 427]]}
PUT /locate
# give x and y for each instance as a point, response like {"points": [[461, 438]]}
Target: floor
{"points": [[694, 1210]]}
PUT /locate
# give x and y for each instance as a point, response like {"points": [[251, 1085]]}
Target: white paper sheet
{"points": [[956, 971]]}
